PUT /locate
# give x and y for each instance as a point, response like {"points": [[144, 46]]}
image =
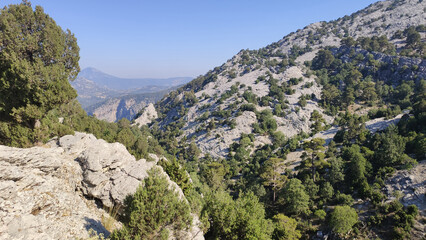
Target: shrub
{"points": [[152, 210], [342, 219], [285, 228]]}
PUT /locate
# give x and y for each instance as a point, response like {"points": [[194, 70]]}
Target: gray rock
{"points": [[44, 190], [411, 184], [148, 115]]}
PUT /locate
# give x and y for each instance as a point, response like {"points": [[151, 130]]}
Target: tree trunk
{"points": [[313, 167], [274, 196]]}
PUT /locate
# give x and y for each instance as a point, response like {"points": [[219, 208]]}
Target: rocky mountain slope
{"points": [[268, 116], [90, 93], [146, 116], [54, 191], [228, 96], [255, 136]]}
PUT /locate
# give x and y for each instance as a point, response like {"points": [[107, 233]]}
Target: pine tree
{"points": [[315, 148], [271, 175], [285, 228], [294, 197], [243, 218]]}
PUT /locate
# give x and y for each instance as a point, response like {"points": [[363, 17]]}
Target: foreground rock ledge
{"points": [[45, 191]]}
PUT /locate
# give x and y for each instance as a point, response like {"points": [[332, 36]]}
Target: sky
{"points": [[186, 38]]}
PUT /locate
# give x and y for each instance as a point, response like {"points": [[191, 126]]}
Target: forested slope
{"points": [[235, 126]]}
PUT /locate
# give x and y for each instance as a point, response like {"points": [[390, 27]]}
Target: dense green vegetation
{"points": [[370, 72], [350, 75]]}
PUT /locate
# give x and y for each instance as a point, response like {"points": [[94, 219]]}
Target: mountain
{"points": [[277, 76], [313, 121], [90, 93], [320, 135], [112, 82], [111, 98]]}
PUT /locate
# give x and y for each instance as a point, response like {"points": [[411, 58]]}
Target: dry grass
{"points": [[109, 220]]}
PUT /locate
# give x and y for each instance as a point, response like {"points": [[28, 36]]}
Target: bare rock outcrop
{"points": [[38, 197], [411, 184], [44, 191], [115, 109], [148, 115], [109, 171]]}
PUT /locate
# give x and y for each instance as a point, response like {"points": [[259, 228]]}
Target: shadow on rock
{"points": [[96, 225]]}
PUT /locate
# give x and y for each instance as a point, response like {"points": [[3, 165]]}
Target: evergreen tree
{"points": [[388, 148], [285, 228], [243, 218], [342, 219], [272, 175], [294, 197], [314, 147], [318, 121], [37, 60], [323, 59], [152, 210], [336, 172], [356, 169], [311, 188], [326, 191]]}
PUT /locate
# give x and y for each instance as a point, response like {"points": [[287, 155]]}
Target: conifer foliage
{"points": [[37, 59], [153, 210]]}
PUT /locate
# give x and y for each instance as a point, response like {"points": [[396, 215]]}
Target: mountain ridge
{"points": [[285, 60], [112, 98], [113, 82]]}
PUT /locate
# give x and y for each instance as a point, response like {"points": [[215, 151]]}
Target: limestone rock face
{"points": [[115, 109], [44, 191], [109, 171], [148, 115], [39, 197]]}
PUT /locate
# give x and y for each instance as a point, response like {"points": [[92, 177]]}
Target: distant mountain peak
{"points": [[117, 83]]}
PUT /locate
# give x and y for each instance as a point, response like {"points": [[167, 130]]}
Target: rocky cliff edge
{"points": [[54, 192]]}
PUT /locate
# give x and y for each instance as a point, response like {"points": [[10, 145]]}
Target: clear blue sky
{"points": [[170, 38]]}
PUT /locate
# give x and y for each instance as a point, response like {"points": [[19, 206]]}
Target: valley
{"points": [[112, 98]]}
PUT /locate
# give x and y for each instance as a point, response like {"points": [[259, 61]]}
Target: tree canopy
{"points": [[153, 209], [243, 218], [294, 197], [342, 219], [285, 228], [37, 60]]}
